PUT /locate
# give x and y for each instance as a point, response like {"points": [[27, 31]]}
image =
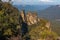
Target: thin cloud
{"points": [[46, 1], [17, 0], [34, 2]]}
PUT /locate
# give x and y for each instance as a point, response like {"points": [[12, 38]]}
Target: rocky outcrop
{"points": [[22, 14], [30, 18], [48, 25]]}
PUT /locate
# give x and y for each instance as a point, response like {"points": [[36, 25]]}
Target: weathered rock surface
{"points": [[30, 18]]}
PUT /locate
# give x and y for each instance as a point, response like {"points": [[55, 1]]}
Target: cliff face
{"points": [[32, 18]]}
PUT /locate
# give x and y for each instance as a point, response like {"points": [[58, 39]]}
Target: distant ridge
{"points": [[52, 12], [32, 7]]}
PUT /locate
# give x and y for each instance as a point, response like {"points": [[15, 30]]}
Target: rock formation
{"points": [[48, 25], [22, 13], [30, 18]]}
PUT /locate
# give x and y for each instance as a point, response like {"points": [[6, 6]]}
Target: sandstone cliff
{"points": [[30, 18]]}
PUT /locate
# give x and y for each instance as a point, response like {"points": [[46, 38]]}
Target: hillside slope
{"points": [[51, 13]]}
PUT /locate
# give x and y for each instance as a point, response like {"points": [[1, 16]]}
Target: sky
{"points": [[34, 2]]}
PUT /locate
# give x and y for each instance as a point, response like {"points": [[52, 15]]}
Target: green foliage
{"points": [[9, 19], [8, 32], [41, 32], [38, 33]]}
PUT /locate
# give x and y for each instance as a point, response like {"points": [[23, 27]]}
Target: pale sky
{"points": [[34, 2]]}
